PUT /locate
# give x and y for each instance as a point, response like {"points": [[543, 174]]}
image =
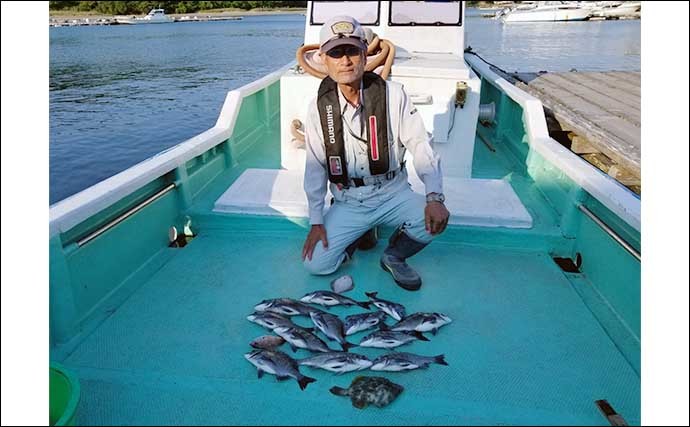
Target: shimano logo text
{"points": [[329, 121]]}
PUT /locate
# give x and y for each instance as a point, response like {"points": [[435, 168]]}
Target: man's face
{"points": [[345, 63]]}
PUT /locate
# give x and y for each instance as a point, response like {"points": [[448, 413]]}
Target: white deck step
{"points": [[266, 192], [474, 202]]}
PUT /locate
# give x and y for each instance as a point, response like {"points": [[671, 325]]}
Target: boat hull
{"points": [[142, 21], [546, 16]]}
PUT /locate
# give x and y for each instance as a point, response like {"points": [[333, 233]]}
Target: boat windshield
{"points": [[366, 12], [425, 13]]}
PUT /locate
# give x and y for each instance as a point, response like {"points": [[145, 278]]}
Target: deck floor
{"points": [[523, 347]]}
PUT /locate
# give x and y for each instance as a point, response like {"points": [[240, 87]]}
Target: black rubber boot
{"points": [[365, 242], [400, 247], [368, 240]]}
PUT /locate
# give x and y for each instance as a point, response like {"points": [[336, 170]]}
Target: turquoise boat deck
{"points": [[528, 343]]}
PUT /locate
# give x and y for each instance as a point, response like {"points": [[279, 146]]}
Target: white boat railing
{"points": [[609, 192], [71, 211]]}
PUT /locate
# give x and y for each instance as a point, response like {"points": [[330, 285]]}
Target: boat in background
{"points": [[155, 16], [207, 18], [545, 11], [616, 9]]}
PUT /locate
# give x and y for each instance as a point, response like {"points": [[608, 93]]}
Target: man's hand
{"points": [[317, 232], [435, 217]]}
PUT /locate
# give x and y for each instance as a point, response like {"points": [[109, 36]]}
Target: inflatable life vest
{"points": [[376, 118]]}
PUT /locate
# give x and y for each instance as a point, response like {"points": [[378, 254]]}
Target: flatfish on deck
{"points": [[365, 391]]}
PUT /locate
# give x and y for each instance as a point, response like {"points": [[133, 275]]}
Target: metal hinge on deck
{"points": [[461, 90]]}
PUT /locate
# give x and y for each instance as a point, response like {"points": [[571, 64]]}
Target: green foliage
{"points": [[85, 6], [142, 7]]}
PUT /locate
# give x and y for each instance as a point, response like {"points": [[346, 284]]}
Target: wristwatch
{"points": [[435, 197]]}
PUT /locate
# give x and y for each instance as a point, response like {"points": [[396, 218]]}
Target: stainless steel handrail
{"points": [[81, 242], [615, 236]]}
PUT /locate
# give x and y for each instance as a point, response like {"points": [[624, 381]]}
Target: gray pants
{"points": [[347, 220]]}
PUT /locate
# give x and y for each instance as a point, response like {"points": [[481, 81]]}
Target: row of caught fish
{"points": [[283, 366], [290, 307], [420, 322], [362, 392], [403, 332]]}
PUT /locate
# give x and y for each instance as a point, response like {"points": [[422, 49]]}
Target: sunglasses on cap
{"points": [[340, 51]]}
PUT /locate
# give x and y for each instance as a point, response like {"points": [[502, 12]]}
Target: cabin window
{"points": [[434, 13], [366, 12]]}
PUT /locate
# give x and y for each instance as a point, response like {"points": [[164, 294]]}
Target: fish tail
{"points": [[339, 391], [364, 304], [371, 294], [304, 381], [440, 359], [347, 345], [420, 336]]}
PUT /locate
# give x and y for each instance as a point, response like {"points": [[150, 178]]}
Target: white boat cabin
{"points": [[429, 42]]}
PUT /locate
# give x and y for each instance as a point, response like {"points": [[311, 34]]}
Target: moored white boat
{"points": [[546, 11], [155, 16], [616, 9]]}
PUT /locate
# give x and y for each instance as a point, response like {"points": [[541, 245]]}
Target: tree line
{"points": [[141, 7]]}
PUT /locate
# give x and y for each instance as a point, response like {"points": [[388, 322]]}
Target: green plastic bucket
{"points": [[64, 396]]}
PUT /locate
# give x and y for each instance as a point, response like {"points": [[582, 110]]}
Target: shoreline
{"points": [[65, 16]]}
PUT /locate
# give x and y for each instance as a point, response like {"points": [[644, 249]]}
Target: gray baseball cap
{"points": [[340, 30]]}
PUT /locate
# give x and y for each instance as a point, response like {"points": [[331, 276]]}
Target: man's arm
{"points": [[315, 181]]}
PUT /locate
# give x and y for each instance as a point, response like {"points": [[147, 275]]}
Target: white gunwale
{"points": [[604, 188], [71, 211]]}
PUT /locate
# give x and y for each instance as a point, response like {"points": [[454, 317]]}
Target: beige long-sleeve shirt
{"points": [[405, 132]]}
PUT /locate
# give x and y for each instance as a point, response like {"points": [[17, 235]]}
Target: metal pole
{"points": [[124, 216], [611, 233]]}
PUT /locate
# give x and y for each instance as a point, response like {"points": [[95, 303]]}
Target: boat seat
{"points": [[472, 202], [266, 192]]}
